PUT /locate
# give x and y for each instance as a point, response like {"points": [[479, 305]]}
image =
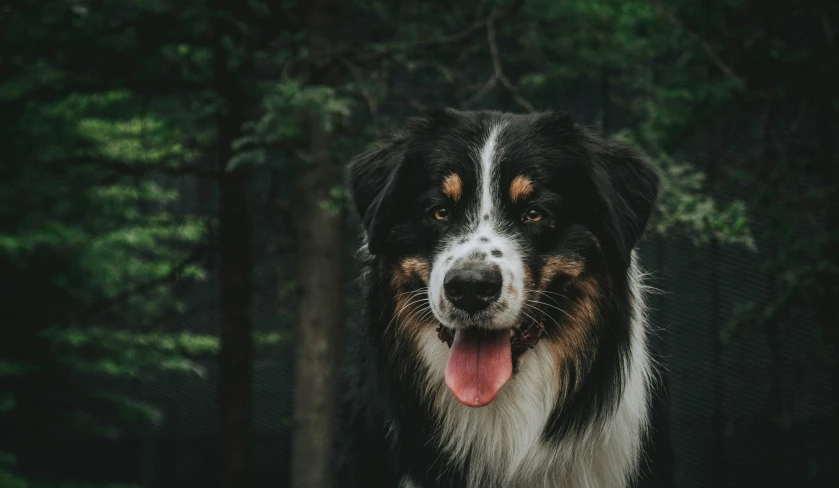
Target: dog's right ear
{"points": [[372, 178]]}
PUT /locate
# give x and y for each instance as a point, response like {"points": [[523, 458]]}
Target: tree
{"points": [[319, 230], [98, 241], [94, 245], [230, 75]]}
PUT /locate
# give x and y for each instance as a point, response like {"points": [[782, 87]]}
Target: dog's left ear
{"points": [[627, 187], [375, 175], [372, 179]]}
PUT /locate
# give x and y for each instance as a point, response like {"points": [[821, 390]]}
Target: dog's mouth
{"points": [[481, 360]]}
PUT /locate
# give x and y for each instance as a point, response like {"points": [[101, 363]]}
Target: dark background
{"points": [[169, 169]]}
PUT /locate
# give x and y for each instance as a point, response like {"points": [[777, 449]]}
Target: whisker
{"points": [[425, 316], [546, 315], [548, 296], [412, 301], [529, 316], [548, 293], [416, 311], [551, 299], [412, 304], [418, 290], [416, 299], [552, 306]]}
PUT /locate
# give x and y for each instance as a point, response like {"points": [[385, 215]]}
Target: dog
{"points": [[504, 342]]}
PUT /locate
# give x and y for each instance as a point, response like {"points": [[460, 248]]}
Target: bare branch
{"points": [[709, 51], [464, 55], [498, 75], [499, 72], [450, 39], [478, 26], [493, 51], [483, 91], [415, 103]]}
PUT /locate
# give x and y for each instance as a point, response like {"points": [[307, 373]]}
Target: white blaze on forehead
{"points": [[485, 239], [487, 164]]}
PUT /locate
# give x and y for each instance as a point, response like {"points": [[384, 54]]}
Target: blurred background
{"points": [[176, 246]]}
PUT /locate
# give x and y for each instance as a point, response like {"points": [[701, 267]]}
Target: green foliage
{"points": [[683, 204], [132, 354], [7, 402], [90, 248], [125, 353], [9, 480], [9, 369], [287, 107], [13, 368], [338, 199]]}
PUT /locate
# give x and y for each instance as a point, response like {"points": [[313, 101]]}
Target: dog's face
{"points": [[506, 228]]}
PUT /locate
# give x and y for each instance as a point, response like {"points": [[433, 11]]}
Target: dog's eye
{"points": [[531, 215], [441, 213]]}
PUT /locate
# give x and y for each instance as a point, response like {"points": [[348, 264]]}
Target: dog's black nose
{"points": [[473, 286]]}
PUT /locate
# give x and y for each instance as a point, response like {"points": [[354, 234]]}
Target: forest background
{"points": [[176, 245]]}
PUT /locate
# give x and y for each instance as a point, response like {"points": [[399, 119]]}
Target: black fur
{"points": [[588, 186]]}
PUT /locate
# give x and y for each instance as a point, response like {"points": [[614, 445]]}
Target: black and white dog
{"points": [[504, 343]]}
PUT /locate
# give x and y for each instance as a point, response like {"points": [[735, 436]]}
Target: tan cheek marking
{"points": [[409, 305], [453, 187], [408, 269], [416, 267], [408, 329], [573, 346], [586, 309], [556, 265], [521, 189]]}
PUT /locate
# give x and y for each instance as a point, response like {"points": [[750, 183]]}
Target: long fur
{"points": [[575, 412]]}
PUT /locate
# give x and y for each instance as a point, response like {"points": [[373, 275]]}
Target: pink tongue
{"points": [[480, 363]]}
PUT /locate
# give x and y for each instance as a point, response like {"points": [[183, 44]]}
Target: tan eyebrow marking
{"points": [[521, 188], [453, 187]]}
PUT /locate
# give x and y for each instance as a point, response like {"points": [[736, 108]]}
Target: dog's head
{"points": [[503, 229]]}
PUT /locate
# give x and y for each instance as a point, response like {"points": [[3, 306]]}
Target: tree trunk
{"points": [[319, 244], [235, 287], [236, 354]]}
